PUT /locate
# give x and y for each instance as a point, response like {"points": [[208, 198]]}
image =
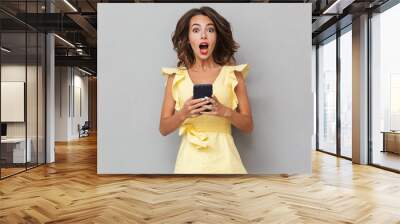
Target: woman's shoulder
{"points": [[240, 68], [172, 70]]}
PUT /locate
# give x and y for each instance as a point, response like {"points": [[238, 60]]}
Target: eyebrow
{"points": [[206, 25]]}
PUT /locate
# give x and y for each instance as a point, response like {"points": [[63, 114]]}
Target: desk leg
{"points": [[384, 142]]}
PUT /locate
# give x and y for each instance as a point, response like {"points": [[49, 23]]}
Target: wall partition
{"points": [[128, 115], [22, 88]]}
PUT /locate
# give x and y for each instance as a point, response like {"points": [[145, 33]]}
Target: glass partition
{"points": [[14, 153], [22, 77], [32, 95], [41, 91]]}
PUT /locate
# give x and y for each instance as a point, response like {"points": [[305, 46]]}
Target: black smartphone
{"points": [[201, 91]]}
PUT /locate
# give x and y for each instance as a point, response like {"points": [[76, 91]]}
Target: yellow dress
{"points": [[207, 146]]}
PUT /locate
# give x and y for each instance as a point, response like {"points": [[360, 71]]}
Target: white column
{"points": [[50, 79], [360, 90], [50, 92]]}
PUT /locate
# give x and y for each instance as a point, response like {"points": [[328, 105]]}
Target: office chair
{"points": [[84, 130]]}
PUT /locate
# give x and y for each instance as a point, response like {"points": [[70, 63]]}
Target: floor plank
{"points": [[70, 191]]}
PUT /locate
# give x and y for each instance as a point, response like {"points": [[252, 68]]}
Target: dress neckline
{"points": [[215, 80]]}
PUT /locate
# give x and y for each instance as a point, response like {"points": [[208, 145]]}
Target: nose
{"points": [[203, 35]]}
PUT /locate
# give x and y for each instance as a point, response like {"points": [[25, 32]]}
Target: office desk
{"points": [[13, 150], [391, 141]]}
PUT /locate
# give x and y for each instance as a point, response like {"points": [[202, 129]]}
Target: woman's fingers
{"points": [[199, 106], [213, 102], [195, 111], [195, 101], [210, 107], [202, 103], [209, 113], [215, 99]]}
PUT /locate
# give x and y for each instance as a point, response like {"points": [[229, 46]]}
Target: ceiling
{"points": [[76, 21]]}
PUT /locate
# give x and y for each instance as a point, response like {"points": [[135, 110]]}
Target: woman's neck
{"points": [[204, 65]]}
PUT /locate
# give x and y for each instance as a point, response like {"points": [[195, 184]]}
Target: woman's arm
{"points": [[170, 119], [241, 118]]}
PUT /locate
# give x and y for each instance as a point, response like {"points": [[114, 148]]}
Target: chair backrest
{"points": [[86, 124]]}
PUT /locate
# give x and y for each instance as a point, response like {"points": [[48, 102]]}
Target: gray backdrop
{"points": [[134, 42]]}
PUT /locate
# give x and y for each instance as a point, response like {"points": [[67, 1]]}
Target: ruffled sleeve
{"points": [[244, 70], [179, 76]]}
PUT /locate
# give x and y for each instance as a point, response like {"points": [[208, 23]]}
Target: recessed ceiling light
{"points": [[5, 50], [338, 6], [64, 40], [84, 71], [70, 5]]}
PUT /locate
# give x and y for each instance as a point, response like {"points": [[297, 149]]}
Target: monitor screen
{"points": [[3, 129]]}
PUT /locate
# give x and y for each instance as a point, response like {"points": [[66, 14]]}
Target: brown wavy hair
{"points": [[225, 46]]}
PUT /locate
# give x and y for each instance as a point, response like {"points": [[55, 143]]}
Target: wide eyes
{"points": [[210, 29]]}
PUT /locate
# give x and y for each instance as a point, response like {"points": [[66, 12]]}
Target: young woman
{"points": [[205, 48]]}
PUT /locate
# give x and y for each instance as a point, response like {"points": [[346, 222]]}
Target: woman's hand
{"points": [[217, 108], [193, 107]]}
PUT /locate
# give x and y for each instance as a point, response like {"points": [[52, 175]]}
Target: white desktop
{"points": [[18, 149], [16, 145]]}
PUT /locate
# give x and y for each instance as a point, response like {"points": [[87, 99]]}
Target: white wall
{"points": [[79, 117], [68, 81], [275, 40], [12, 101], [61, 103], [313, 86], [16, 72]]}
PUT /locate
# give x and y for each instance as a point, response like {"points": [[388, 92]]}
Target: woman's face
{"points": [[202, 36]]}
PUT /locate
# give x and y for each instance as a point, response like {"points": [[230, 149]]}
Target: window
{"points": [[346, 93], [385, 88], [327, 96]]}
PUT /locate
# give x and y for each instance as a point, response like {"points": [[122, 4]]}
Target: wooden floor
{"points": [[5, 172], [70, 191], [387, 159]]}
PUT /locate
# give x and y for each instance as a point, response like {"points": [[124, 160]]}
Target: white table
{"points": [[18, 149]]}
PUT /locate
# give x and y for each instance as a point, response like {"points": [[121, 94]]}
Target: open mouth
{"points": [[203, 48]]}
